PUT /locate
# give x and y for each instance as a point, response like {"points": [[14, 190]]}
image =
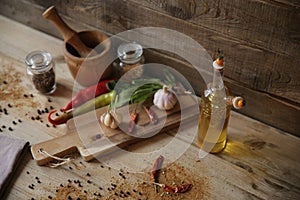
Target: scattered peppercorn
{"points": [[89, 182], [1, 130], [31, 95], [10, 129], [88, 174], [19, 120], [32, 118], [49, 126], [27, 172], [9, 105], [4, 82], [49, 197], [69, 166], [25, 95], [39, 111], [98, 136], [51, 107], [69, 181], [49, 100], [3, 126]]}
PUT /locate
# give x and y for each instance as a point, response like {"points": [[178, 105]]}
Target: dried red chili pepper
{"points": [[89, 93], [156, 167], [175, 189], [151, 114], [133, 119]]}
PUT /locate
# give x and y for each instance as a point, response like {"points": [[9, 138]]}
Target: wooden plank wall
{"points": [[260, 38]]}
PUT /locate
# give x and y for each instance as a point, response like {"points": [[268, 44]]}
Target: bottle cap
{"points": [[238, 102], [130, 53], [38, 60], [217, 67]]}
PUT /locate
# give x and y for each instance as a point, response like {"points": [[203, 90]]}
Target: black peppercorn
{"points": [[40, 69]]}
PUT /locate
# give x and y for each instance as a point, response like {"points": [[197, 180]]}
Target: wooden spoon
{"points": [[70, 36]]}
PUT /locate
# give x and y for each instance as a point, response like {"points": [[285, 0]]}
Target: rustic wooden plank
{"points": [[246, 20]]}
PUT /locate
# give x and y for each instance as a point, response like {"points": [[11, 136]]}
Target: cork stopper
{"points": [[238, 102]]}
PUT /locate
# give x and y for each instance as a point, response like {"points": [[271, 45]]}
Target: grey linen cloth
{"points": [[11, 151]]}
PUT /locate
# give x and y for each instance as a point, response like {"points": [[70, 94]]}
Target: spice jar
{"points": [[130, 60], [40, 70]]}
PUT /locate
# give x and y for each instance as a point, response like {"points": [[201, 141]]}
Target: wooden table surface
{"points": [[259, 162]]}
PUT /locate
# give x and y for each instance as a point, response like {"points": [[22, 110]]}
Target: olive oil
{"points": [[216, 103], [212, 134]]}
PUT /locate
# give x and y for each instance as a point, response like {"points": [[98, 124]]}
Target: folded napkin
{"points": [[11, 152]]}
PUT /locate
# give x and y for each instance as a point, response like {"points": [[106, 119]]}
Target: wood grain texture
{"points": [[260, 39], [259, 162]]}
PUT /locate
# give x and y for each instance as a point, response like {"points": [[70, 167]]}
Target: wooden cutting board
{"points": [[91, 138]]}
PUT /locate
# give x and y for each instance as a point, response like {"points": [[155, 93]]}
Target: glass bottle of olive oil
{"points": [[216, 103]]}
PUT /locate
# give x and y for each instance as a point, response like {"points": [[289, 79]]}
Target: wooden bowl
{"points": [[92, 69]]}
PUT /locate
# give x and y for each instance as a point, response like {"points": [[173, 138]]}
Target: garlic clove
{"points": [[102, 118], [107, 119], [113, 124]]}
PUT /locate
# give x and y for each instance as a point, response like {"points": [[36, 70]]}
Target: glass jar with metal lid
{"points": [[40, 71], [130, 60]]}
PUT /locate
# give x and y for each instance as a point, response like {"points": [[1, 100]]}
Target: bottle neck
{"points": [[217, 83]]}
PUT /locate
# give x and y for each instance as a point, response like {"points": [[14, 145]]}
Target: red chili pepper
{"points": [[176, 189], [60, 119], [89, 93], [133, 119], [97, 102], [156, 167], [151, 115]]}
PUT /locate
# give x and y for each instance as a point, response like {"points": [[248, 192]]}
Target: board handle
{"points": [[60, 146]]}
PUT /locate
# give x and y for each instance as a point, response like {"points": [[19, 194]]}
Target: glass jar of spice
{"points": [[130, 60], [40, 70]]}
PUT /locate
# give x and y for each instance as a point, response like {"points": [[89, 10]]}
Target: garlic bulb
{"points": [[164, 99], [108, 120]]}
